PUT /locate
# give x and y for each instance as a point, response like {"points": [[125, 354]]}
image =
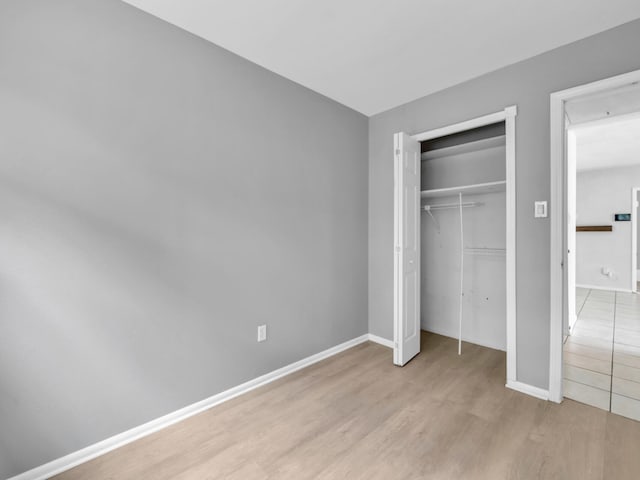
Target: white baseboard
{"points": [[81, 456], [597, 287], [380, 340], [528, 389]]}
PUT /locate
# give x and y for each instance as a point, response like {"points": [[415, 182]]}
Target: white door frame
{"points": [[508, 115], [558, 218], [571, 212], [634, 239]]}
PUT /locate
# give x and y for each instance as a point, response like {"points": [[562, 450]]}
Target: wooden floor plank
{"points": [[357, 416]]}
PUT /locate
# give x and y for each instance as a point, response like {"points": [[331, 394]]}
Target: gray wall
{"points": [[527, 84], [160, 198]]}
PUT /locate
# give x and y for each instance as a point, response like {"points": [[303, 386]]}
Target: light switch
{"points": [[540, 209]]}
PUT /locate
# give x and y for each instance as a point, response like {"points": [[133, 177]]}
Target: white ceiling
{"points": [[609, 145], [372, 55]]}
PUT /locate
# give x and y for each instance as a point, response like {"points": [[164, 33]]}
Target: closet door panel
{"points": [[407, 249]]}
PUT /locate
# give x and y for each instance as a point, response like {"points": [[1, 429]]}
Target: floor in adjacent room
{"points": [[602, 354], [357, 416]]}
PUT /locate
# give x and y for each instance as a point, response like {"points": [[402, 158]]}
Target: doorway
{"points": [[407, 227], [584, 221]]}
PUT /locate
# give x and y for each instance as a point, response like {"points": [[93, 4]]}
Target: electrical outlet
{"points": [[262, 333]]}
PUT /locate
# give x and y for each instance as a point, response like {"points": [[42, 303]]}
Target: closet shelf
{"points": [[460, 149], [477, 188]]}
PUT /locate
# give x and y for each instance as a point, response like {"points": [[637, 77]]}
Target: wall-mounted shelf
{"points": [[477, 188], [595, 228]]}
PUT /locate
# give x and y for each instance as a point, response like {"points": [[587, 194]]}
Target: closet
{"points": [[463, 286]]}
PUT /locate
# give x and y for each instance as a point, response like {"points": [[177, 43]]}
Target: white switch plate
{"points": [[262, 333], [540, 209]]}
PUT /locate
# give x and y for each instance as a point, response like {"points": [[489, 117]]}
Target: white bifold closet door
{"points": [[407, 168]]}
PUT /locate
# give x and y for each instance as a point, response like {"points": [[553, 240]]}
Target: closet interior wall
{"points": [[454, 162]]}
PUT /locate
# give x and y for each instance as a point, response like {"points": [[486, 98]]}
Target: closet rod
{"points": [[445, 206]]}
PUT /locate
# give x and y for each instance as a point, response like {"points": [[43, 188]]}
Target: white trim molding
{"points": [[510, 131], [557, 253], [634, 239], [527, 389], [557, 212], [380, 340], [81, 456], [466, 125], [508, 115]]}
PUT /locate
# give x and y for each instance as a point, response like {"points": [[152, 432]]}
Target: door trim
{"points": [[557, 214], [508, 115], [634, 239]]}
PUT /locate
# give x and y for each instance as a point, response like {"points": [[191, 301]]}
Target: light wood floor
{"points": [[357, 416]]}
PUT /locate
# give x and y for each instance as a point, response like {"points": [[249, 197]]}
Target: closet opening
{"points": [[463, 237], [454, 225]]}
